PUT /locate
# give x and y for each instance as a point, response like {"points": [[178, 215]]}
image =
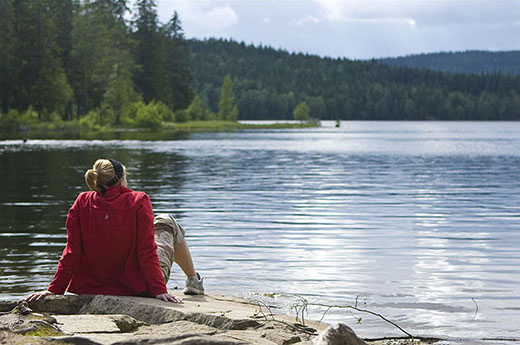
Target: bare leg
{"points": [[172, 247], [182, 257]]}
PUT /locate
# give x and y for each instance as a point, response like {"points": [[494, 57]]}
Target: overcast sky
{"points": [[358, 29]]}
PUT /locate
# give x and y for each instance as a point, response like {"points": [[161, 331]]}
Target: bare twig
{"points": [[326, 311], [260, 304], [305, 305], [302, 308], [365, 311], [273, 319]]}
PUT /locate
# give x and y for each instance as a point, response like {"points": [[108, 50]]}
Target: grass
{"points": [[169, 130]]}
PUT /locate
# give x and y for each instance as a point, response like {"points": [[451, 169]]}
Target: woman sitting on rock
{"points": [[112, 245]]}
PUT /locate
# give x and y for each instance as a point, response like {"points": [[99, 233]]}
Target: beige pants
{"points": [[168, 233]]}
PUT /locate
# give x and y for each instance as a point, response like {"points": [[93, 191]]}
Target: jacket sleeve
{"points": [[147, 248], [72, 253]]}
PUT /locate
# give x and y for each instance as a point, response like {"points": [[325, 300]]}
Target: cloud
{"points": [[201, 18], [304, 20], [422, 12]]}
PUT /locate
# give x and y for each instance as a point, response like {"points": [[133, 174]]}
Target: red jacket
{"points": [[110, 246]]}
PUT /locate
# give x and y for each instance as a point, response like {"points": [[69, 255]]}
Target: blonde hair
{"points": [[101, 174]]}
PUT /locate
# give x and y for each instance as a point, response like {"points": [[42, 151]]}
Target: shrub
{"points": [[92, 120], [149, 116], [166, 112], [301, 112]]}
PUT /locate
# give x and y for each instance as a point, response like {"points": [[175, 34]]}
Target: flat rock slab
{"points": [[77, 324]]}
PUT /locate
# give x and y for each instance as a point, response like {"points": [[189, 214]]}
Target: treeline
{"points": [[472, 61], [66, 60], [269, 83], [85, 62]]}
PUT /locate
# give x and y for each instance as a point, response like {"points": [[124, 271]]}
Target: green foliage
{"points": [[182, 116], [166, 112], [197, 111], [66, 58], [177, 68], [227, 110], [301, 112], [269, 83], [69, 58], [102, 62], [7, 45], [150, 116], [14, 120], [92, 120], [473, 61]]}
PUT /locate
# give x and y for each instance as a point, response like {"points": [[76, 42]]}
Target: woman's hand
{"points": [[38, 295], [168, 298]]}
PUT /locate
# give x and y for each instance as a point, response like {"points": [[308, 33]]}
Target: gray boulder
{"points": [[339, 334]]}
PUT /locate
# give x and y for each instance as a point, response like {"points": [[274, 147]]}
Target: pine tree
{"points": [[101, 57], [151, 79], [63, 15], [6, 52], [177, 64], [38, 76], [227, 110]]}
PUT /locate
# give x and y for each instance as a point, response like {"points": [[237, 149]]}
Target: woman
{"points": [[111, 249]]}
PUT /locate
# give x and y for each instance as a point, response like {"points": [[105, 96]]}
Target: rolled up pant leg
{"points": [[167, 234]]}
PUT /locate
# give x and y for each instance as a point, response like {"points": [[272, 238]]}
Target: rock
{"points": [[74, 340], [81, 324], [221, 322], [172, 329], [60, 304], [109, 320], [126, 323], [185, 339], [22, 309], [339, 334], [281, 337], [7, 306], [145, 310], [22, 321]]}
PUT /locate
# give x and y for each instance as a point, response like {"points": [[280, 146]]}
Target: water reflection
{"points": [[416, 219]]}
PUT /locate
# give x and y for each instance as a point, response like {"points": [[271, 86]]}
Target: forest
{"points": [[70, 60], [100, 63], [268, 83], [471, 61]]}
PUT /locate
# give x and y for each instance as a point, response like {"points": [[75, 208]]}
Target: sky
{"points": [[355, 29]]}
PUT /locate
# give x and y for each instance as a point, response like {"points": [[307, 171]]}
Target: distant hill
{"points": [[474, 61], [269, 83]]}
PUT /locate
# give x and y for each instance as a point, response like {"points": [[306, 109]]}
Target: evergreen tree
{"points": [[268, 83], [177, 64], [151, 79], [227, 110], [6, 52], [38, 76], [301, 112], [102, 57], [197, 111]]}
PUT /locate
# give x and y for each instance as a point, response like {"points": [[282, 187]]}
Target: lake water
{"points": [[418, 221]]}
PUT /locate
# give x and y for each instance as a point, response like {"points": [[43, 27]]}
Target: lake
{"points": [[417, 221]]}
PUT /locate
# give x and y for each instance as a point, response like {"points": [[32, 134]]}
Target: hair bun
{"points": [[91, 178]]}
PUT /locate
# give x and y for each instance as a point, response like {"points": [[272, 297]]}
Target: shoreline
{"points": [[72, 130], [209, 319]]}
